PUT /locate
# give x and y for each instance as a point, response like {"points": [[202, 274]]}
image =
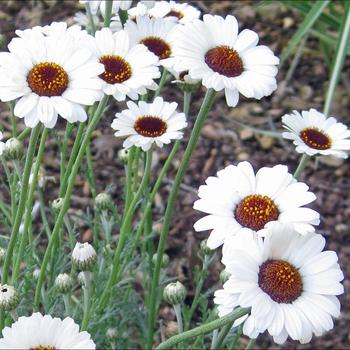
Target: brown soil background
{"points": [[223, 142]]}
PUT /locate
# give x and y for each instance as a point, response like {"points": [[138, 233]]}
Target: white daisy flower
{"points": [[50, 76], [128, 69], [100, 5], [156, 34], [289, 283], [148, 123], [180, 12], [213, 51], [84, 256], [44, 332], [2, 144], [238, 201], [313, 133]]}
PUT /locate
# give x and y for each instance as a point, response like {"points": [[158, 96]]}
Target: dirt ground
{"points": [[224, 142]]}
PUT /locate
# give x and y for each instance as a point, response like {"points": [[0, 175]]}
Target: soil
{"points": [[223, 142]]}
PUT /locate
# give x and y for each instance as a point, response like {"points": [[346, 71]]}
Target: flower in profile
{"points": [[44, 332], [313, 133], [84, 256], [238, 201], [180, 12], [213, 51], [128, 69], [156, 34], [148, 123], [51, 75], [287, 280], [2, 144]]}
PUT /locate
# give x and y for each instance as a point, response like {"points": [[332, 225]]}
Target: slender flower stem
{"points": [[29, 206], [13, 119], [24, 134], [108, 13], [222, 335], [187, 102], [302, 164], [64, 148], [214, 339], [202, 115], [204, 329], [66, 302], [124, 231], [161, 83], [68, 193], [91, 19], [128, 195], [178, 314], [87, 301], [250, 344], [22, 202], [72, 158]]}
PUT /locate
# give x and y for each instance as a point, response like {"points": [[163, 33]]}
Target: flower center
{"points": [[255, 211], [225, 61], [280, 280], [117, 70], [42, 347], [150, 126], [173, 13], [315, 138], [48, 79], [158, 46]]}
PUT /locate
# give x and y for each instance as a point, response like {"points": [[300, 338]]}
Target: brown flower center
{"points": [[177, 14], [117, 70], [255, 211], [315, 138], [225, 61], [280, 280], [48, 79], [150, 126], [158, 46]]}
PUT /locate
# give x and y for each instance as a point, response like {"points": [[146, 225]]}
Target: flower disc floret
{"points": [[315, 138], [117, 69], [150, 126], [158, 46]]}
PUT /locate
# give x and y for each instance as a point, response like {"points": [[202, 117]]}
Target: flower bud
{"points": [[9, 297], [36, 274], [57, 204], [165, 260], [63, 283], [174, 293], [2, 254], [123, 155], [112, 334], [205, 249], [84, 256], [13, 149], [103, 201], [224, 276], [81, 278]]}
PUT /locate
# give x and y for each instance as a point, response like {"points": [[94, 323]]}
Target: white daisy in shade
{"points": [[238, 201], [212, 50], [2, 144], [44, 332], [148, 123], [84, 256], [287, 280], [50, 76], [156, 34], [180, 12], [128, 69], [313, 133]]}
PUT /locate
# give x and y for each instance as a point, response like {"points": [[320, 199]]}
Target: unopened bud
{"points": [[165, 259], [84, 256], [9, 298], [103, 201], [13, 149], [224, 276], [174, 293], [123, 155], [112, 334], [205, 249], [36, 274], [57, 204], [63, 283]]}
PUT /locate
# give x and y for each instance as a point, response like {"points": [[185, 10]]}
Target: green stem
{"points": [[24, 134], [108, 13], [68, 193], [214, 339], [202, 115], [87, 292], [128, 195], [66, 304], [161, 83], [180, 326], [13, 119], [29, 206], [250, 344], [22, 202], [339, 58], [222, 335], [204, 329], [123, 15], [91, 19], [90, 169], [187, 102], [75, 150], [67, 134], [124, 231], [302, 164]]}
